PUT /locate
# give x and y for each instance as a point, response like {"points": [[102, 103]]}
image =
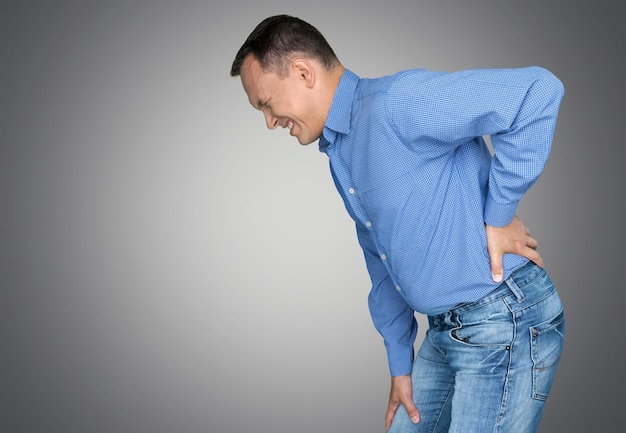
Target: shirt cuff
{"points": [[400, 361], [499, 215]]}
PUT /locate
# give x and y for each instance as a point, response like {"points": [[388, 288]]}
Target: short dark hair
{"points": [[277, 39]]}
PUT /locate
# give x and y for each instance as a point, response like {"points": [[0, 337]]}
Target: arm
{"points": [[522, 148], [393, 318], [517, 108], [395, 321], [519, 158]]}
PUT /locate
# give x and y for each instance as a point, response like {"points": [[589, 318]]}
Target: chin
{"points": [[307, 140]]}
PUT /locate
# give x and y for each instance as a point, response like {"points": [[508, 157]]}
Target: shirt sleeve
{"points": [[517, 108], [393, 318]]}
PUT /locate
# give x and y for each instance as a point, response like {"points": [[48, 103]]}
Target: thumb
{"points": [[412, 411], [496, 268]]}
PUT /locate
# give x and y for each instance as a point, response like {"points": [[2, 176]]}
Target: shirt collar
{"points": [[338, 120]]}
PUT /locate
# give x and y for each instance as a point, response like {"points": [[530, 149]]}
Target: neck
{"points": [[331, 82]]}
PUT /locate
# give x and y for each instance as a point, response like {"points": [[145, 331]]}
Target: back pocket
{"points": [[546, 343]]}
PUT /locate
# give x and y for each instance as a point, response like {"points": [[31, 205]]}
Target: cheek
{"points": [[302, 115]]}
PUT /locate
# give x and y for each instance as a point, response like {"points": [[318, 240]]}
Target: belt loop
{"points": [[515, 289]]}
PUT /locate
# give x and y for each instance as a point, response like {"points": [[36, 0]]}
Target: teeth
{"points": [[290, 125]]}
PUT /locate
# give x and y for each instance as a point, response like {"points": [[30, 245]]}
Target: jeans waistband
{"points": [[511, 285]]}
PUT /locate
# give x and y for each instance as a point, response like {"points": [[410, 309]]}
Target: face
{"points": [[288, 102]]}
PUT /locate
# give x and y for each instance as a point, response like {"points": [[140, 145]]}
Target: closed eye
{"points": [[264, 104]]}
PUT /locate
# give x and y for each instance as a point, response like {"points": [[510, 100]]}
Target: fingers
{"points": [[528, 248], [411, 410], [531, 253], [391, 412], [496, 268]]}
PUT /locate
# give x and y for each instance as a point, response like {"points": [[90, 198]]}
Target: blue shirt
{"points": [[408, 157]]}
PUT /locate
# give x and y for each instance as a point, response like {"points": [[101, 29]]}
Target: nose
{"points": [[270, 119]]}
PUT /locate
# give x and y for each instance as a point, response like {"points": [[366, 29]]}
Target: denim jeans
{"points": [[487, 366]]}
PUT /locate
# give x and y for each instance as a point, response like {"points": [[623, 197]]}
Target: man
{"points": [[435, 217]]}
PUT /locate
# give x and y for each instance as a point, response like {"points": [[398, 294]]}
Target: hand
{"points": [[401, 393], [514, 238]]}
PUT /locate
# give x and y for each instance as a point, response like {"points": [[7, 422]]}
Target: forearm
{"points": [[393, 318]]}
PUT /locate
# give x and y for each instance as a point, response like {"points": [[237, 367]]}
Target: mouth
{"points": [[289, 125]]}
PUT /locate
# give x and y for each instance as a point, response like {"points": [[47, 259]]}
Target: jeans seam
{"points": [[442, 406], [505, 392]]}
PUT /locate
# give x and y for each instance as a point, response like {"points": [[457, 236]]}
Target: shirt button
{"points": [[351, 190], [368, 223], [383, 256], [398, 288]]}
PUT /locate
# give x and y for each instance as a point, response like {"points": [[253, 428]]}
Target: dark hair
{"points": [[277, 39]]}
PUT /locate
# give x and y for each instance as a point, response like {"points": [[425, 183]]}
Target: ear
{"points": [[305, 71]]}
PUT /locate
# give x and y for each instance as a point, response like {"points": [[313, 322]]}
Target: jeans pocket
{"points": [[546, 343]]}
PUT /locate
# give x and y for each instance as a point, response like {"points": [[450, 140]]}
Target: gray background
{"points": [[169, 265]]}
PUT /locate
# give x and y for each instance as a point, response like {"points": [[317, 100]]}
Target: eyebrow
{"points": [[257, 105]]}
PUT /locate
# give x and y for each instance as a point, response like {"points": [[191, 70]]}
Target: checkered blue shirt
{"points": [[408, 157]]}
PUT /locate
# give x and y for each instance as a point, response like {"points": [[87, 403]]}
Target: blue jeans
{"points": [[487, 366]]}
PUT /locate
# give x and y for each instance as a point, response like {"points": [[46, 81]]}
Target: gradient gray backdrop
{"points": [[169, 265]]}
